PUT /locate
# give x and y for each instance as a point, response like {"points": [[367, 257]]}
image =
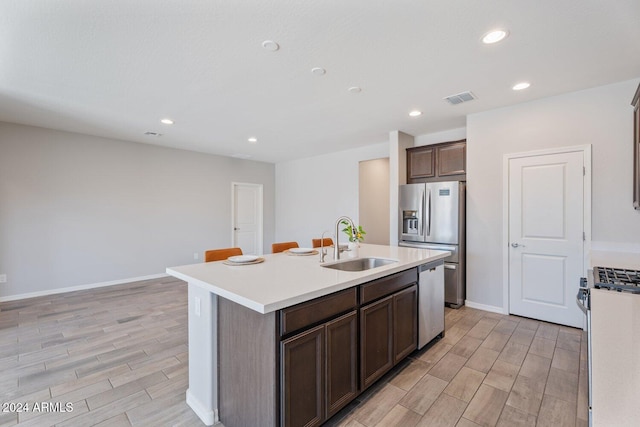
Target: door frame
{"points": [[586, 209], [260, 201]]}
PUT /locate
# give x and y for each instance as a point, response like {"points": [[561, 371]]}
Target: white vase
{"points": [[354, 248]]}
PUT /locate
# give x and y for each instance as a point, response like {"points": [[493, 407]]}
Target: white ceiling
{"points": [[114, 68]]}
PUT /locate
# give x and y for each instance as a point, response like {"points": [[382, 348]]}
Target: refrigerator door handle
{"points": [[421, 216], [429, 214]]}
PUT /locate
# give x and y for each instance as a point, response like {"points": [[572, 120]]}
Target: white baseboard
{"points": [[208, 416], [485, 307], [81, 287]]}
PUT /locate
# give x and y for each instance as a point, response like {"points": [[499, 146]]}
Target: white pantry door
{"points": [[247, 217], [546, 246]]}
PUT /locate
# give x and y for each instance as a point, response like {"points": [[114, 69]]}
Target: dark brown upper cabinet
{"points": [[636, 149], [421, 163], [438, 162]]}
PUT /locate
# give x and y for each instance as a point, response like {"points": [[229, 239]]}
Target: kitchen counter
{"points": [[284, 280], [225, 300], [614, 341]]}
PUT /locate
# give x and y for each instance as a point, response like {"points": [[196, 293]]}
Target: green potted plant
{"points": [[354, 238]]}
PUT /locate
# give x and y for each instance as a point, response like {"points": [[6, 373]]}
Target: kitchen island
{"points": [[243, 322]]}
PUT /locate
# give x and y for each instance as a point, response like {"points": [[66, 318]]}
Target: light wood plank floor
{"points": [[119, 354], [488, 370]]}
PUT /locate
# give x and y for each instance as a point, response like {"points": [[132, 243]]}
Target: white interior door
{"points": [[247, 217], [546, 240]]}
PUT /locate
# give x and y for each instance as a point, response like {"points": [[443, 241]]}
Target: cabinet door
{"points": [[342, 361], [376, 340], [405, 326], [452, 159], [302, 378], [421, 163]]}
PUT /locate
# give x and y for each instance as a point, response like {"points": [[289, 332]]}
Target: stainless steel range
{"points": [[617, 279], [608, 298]]}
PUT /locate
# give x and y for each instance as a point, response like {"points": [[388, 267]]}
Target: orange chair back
{"points": [[221, 254], [281, 247], [316, 243]]}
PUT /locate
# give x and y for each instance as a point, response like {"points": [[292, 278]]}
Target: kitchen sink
{"points": [[359, 264]]}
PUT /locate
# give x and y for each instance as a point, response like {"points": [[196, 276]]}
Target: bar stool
{"points": [[283, 246], [326, 242], [221, 254]]}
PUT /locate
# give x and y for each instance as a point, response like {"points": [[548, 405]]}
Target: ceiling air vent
{"points": [[459, 98], [149, 133]]}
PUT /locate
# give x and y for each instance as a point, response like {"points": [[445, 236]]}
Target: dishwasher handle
{"points": [[430, 266]]}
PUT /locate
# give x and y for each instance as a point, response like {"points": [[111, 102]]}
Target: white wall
{"points": [[445, 136], [602, 117], [373, 206], [398, 144], [78, 210], [312, 193]]}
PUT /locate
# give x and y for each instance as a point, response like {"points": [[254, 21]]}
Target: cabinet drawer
{"points": [[311, 312], [386, 286]]}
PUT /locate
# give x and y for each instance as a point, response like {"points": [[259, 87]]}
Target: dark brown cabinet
{"points": [[303, 375], [319, 371], [421, 163], [389, 333], [636, 149], [333, 347], [342, 362], [405, 326], [300, 365], [452, 159], [376, 331], [437, 162]]}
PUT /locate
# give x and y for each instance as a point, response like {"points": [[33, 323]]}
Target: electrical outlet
{"points": [[195, 255], [3, 278]]}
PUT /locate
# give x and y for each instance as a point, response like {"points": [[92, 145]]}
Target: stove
{"points": [[617, 279], [623, 282]]}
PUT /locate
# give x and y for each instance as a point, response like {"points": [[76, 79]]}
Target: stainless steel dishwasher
{"points": [[430, 302]]}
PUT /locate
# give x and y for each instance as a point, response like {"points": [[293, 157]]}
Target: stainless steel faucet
{"points": [[336, 246], [323, 251]]}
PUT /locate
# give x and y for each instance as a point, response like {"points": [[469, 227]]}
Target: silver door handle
{"points": [[515, 245], [450, 266], [429, 223]]}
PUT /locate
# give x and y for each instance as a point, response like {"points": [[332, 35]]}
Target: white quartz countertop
{"points": [[284, 280]]}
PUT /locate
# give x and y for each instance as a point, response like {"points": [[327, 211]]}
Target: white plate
{"points": [[243, 258], [300, 250]]}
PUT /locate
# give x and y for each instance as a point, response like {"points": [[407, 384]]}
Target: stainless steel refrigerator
{"points": [[432, 216]]}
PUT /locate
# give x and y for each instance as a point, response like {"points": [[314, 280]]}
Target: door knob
{"points": [[515, 245], [236, 228]]}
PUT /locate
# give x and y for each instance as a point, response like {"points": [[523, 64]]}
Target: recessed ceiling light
{"points": [[355, 89], [270, 45], [415, 113], [494, 36], [253, 139], [520, 86], [318, 71], [167, 121]]}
